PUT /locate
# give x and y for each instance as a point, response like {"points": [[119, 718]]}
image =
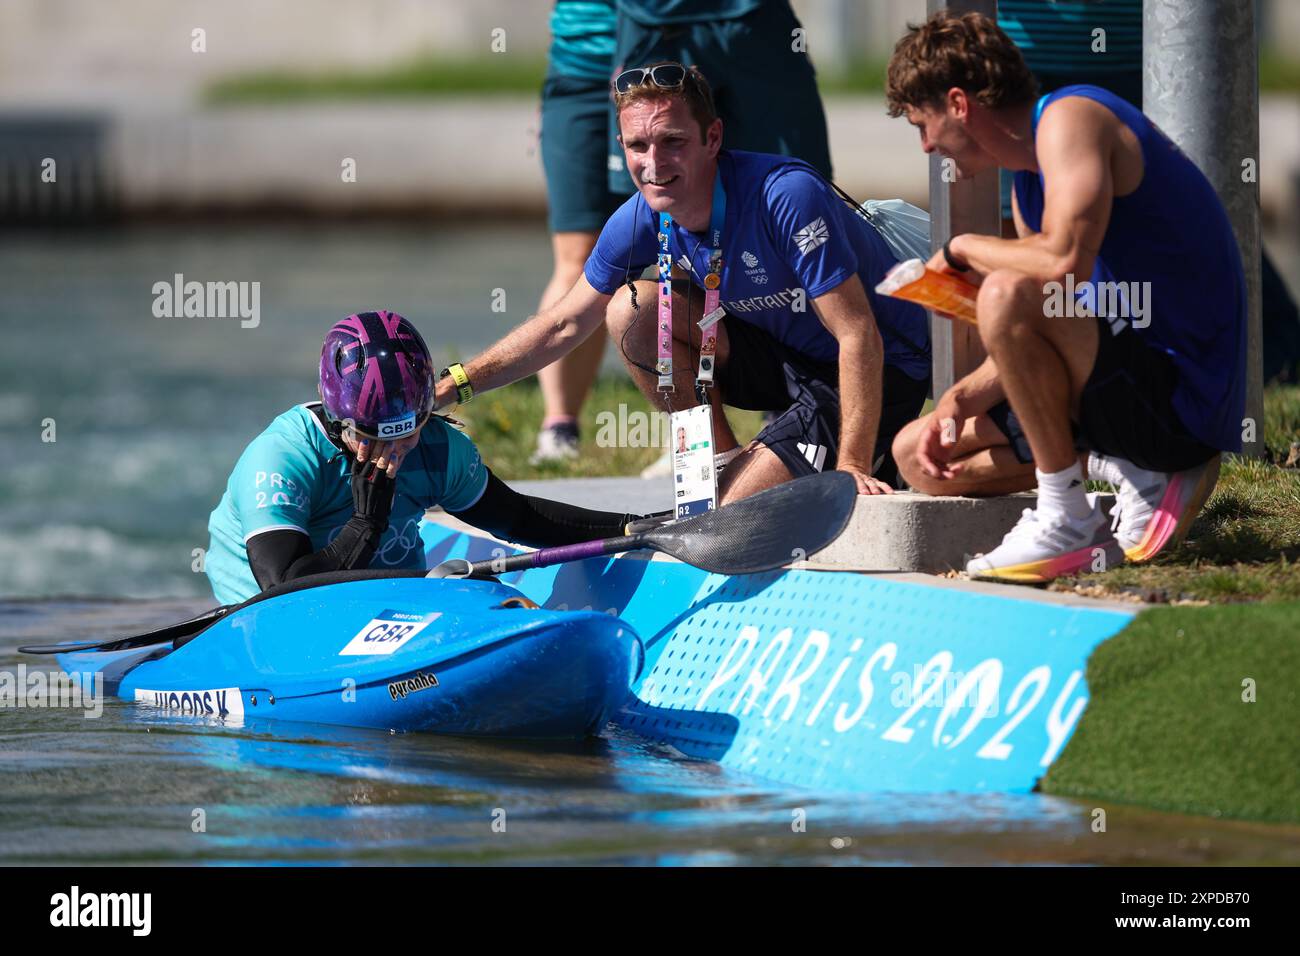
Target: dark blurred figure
{"points": [[752, 54]]}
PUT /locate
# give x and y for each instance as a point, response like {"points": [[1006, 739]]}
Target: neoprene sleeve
{"points": [[539, 522], [279, 556]]}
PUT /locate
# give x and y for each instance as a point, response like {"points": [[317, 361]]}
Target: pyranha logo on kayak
{"points": [[412, 685], [218, 702]]}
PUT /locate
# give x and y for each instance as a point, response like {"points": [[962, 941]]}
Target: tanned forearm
{"points": [[549, 335], [1040, 256], [979, 391], [862, 369], [535, 344]]}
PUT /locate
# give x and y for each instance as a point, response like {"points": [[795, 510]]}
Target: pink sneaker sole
{"points": [[1183, 499]]}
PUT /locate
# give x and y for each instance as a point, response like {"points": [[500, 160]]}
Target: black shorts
{"points": [[575, 116], [763, 375], [1126, 409]]}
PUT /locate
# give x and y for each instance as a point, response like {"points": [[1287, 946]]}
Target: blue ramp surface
{"points": [[832, 679]]}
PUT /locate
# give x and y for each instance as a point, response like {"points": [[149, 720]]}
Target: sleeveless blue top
{"points": [[1172, 232]]}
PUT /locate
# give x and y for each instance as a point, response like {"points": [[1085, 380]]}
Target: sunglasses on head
{"points": [[666, 76]]}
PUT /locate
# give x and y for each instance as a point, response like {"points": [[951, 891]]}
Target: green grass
{"points": [[1245, 546], [1277, 73], [504, 425], [423, 77], [1167, 727], [431, 76]]}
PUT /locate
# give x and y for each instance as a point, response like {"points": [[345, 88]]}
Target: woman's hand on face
{"points": [[387, 455]]}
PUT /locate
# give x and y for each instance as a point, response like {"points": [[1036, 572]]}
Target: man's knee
{"points": [[904, 448], [1008, 302], [620, 314]]}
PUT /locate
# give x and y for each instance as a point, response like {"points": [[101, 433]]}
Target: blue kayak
{"points": [[406, 653]]}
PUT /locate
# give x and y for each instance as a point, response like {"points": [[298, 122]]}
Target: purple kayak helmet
{"points": [[376, 372]]}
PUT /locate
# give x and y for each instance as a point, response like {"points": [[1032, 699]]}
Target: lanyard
{"points": [[712, 284], [664, 365]]}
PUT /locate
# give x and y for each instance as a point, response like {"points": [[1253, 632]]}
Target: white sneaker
{"points": [[556, 443], [1043, 547], [1153, 509]]}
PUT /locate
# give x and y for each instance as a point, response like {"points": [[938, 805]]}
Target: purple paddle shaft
{"points": [[566, 552]]}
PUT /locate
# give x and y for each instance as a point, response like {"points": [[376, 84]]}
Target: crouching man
{"points": [[1115, 324]]}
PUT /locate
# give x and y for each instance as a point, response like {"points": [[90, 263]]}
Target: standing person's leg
{"points": [[574, 121], [566, 382]]}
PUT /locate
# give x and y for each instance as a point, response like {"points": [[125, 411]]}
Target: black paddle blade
{"points": [[163, 634], [765, 531]]}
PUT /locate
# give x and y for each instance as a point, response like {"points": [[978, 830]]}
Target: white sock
{"points": [[1115, 470], [1101, 468], [1063, 492]]}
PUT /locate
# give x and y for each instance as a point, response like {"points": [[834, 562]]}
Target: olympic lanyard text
{"points": [[712, 295]]}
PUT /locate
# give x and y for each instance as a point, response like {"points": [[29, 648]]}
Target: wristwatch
{"points": [[952, 263], [464, 391]]}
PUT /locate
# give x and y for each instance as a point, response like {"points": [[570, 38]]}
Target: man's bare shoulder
{"points": [[1078, 118]]}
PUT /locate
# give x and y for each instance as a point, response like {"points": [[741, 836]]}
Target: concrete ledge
{"points": [[913, 532], [903, 532]]}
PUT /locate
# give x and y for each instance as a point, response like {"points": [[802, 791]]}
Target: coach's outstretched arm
{"points": [[550, 334]]}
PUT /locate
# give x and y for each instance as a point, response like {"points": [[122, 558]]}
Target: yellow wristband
{"points": [[464, 392]]}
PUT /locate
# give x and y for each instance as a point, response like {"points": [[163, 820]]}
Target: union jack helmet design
{"points": [[376, 372]]}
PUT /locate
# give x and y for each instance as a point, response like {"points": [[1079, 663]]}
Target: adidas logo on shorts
{"points": [[816, 454]]}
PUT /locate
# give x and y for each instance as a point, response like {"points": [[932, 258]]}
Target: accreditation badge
{"points": [[695, 483]]}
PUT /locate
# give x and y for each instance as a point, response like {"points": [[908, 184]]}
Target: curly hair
{"points": [[970, 52]]}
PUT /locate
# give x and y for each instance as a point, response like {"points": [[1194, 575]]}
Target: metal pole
{"points": [[957, 206], [1200, 84]]}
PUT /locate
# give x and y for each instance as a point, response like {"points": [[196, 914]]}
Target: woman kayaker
{"points": [[320, 489]]}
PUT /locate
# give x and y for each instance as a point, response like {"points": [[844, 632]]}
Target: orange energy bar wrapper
{"points": [[940, 291]]}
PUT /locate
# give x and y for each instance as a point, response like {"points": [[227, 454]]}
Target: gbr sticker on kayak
{"points": [[387, 631]]}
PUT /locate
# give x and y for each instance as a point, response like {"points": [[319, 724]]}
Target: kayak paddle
{"points": [[169, 633], [185, 630], [759, 533]]}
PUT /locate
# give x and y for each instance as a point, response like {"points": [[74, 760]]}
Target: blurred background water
{"points": [[151, 413]]}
